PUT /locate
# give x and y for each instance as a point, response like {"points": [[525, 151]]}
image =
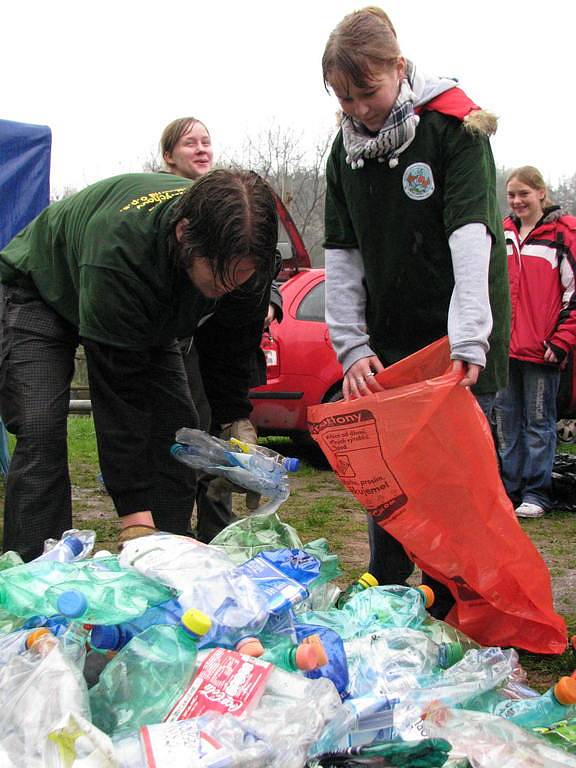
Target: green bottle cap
{"points": [[196, 622], [453, 653], [367, 580]]}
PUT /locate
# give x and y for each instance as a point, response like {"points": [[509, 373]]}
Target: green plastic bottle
{"points": [[23, 587], [363, 582], [141, 683], [558, 703], [102, 592]]}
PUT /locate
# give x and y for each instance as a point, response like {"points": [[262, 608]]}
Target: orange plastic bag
{"points": [[420, 458]]}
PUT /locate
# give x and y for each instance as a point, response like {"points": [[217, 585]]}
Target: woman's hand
{"points": [[470, 372], [360, 379]]}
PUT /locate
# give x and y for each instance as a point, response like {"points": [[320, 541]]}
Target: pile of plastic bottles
{"points": [[246, 654]]}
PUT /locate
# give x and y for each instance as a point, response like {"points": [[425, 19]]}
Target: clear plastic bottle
{"points": [[65, 551], [253, 467], [73, 545], [17, 642], [226, 452], [177, 561], [214, 742], [558, 703], [140, 684], [363, 582]]}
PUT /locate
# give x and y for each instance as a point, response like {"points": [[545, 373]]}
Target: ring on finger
{"points": [[370, 374]]}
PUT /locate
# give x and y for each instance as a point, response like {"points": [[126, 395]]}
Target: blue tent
{"points": [[24, 192], [24, 175]]}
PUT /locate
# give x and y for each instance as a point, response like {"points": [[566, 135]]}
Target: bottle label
{"points": [[281, 591], [183, 745], [226, 682]]}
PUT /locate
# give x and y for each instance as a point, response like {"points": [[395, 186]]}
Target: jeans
{"points": [[389, 562], [525, 415]]}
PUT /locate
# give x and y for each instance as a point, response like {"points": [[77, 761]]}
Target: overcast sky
{"points": [[108, 76]]}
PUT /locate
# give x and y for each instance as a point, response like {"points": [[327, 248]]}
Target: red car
{"points": [[302, 368]]}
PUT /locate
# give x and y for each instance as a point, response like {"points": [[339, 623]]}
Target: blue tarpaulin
{"points": [[24, 192], [24, 175]]}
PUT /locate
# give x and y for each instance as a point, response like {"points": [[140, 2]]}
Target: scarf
{"points": [[399, 130]]}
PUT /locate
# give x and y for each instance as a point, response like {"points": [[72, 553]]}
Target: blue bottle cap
{"points": [[105, 637], [291, 464], [72, 603], [75, 544]]}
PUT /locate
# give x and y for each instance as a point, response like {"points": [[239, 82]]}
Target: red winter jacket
{"points": [[542, 273]]}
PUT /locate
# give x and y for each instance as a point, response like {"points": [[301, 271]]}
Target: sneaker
{"points": [[526, 509]]}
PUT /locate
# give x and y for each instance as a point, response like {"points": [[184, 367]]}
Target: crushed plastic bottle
{"points": [[285, 709], [373, 609], [141, 683], [113, 637], [37, 688], [558, 703], [237, 608], [23, 588], [101, 591], [72, 546], [283, 575], [365, 581], [212, 741], [336, 666], [253, 467], [488, 740], [176, 561], [18, 642]]}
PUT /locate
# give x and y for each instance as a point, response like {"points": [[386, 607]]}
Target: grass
{"points": [[319, 507]]}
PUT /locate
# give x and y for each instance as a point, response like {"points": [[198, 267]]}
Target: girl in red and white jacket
{"points": [[541, 247]]}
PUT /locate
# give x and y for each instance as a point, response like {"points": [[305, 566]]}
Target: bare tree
{"points": [[152, 164], [297, 175]]}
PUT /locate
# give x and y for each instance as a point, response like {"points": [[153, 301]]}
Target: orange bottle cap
{"points": [[428, 593], [307, 657], [565, 690], [35, 635], [250, 646], [318, 645]]}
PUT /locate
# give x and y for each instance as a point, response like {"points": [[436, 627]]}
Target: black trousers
{"points": [[389, 562], [213, 503], [37, 350]]}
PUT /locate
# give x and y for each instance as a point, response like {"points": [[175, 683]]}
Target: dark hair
{"points": [[231, 215], [363, 44], [175, 130]]}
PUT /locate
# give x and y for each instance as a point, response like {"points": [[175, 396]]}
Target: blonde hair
{"points": [[363, 44], [531, 176]]}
